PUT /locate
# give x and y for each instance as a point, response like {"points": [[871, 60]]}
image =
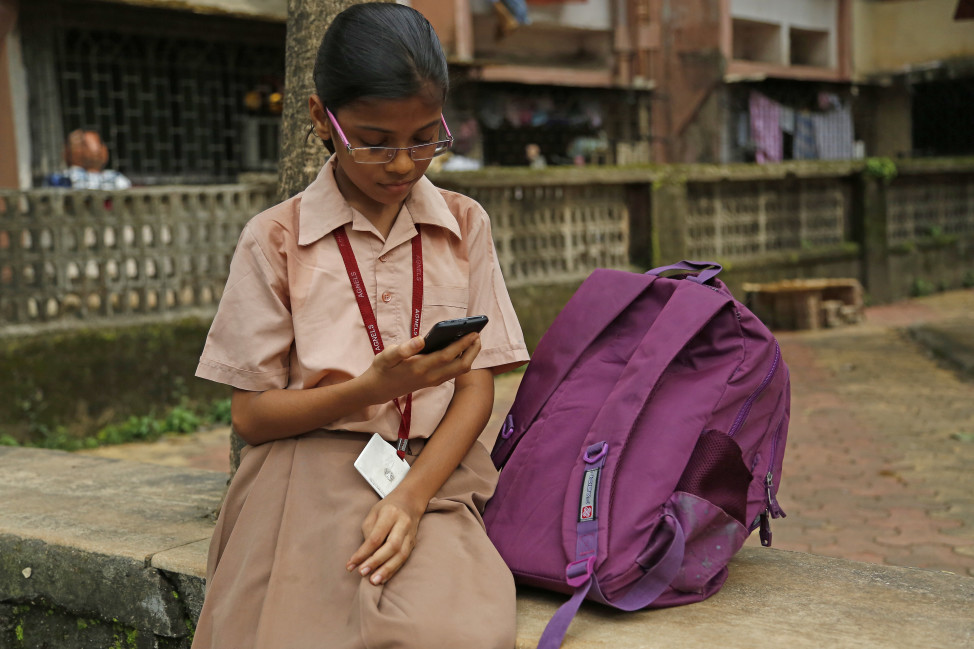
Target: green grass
{"points": [[181, 419]]}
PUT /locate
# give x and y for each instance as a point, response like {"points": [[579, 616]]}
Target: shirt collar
{"points": [[323, 208]]}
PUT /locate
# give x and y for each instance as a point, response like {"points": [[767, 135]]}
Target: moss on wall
{"points": [[537, 306], [39, 625], [82, 380]]}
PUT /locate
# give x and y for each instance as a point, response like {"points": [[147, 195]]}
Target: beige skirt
{"points": [[276, 574]]}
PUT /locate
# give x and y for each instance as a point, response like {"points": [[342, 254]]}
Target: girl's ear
{"points": [[319, 119]]}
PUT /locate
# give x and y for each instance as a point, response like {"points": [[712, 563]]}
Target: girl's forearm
{"points": [[459, 429], [260, 417]]}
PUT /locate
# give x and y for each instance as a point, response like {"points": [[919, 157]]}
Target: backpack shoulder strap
{"points": [[601, 298]]}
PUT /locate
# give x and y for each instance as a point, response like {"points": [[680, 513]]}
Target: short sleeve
{"points": [[249, 342], [502, 343]]}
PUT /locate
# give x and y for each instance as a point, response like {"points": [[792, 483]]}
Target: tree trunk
{"points": [[301, 156]]}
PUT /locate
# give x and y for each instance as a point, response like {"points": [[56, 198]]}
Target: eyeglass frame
{"points": [[393, 150]]}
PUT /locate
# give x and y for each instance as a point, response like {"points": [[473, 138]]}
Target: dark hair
{"points": [[379, 50]]}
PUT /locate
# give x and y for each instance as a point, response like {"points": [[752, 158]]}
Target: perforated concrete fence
{"points": [[546, 233], [734, 220], [69, 256], [72, 257], [930, 205]]}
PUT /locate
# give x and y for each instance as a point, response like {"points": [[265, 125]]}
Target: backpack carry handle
{"points": [[705, 270]]}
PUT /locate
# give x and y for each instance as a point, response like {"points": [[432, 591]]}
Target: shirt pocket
{"points": [[444, 303]]}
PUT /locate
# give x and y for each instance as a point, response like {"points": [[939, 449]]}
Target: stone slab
{"points": [[128, 541], [774, 598], [102, 506]]}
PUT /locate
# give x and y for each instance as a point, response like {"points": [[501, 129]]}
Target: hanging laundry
{"points": [[787, 119], [743, 130], [765, 128], [834, 138], [803, 146]]}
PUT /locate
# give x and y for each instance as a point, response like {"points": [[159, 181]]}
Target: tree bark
{"points": [[301, 156]]}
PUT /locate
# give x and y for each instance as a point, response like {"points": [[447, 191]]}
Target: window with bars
{"points": [[176, 105]]}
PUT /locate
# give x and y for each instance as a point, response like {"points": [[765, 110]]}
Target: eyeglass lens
{"points": [[385, 154]]}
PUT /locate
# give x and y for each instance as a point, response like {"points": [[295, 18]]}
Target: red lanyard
{"points": [[372, 326]]}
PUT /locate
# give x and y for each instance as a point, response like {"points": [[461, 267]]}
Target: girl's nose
{"points": [[401, 163]]}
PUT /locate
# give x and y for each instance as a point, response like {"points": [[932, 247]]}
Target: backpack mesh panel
{"points": [[716, 472]]}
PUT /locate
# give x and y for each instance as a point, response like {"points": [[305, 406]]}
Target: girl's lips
{"points": [[397, 187]]}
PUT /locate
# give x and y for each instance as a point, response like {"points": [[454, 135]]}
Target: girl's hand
{"points": [[400, 369], [390, 536]]}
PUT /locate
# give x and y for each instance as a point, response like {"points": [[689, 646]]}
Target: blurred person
{"points": [[86, 156], [532, 153]]}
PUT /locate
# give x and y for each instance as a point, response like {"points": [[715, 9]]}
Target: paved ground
{"points": [[880, 451]]}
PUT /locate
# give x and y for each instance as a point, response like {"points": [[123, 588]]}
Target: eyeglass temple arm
{"points": [[338, 128]]}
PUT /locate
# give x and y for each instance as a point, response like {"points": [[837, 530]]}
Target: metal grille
{"points": [[170, 108]]}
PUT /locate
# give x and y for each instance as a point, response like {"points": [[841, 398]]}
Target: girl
{"points": [[317, 334]]}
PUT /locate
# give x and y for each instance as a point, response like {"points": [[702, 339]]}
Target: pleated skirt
{"points": [[292, 518]]}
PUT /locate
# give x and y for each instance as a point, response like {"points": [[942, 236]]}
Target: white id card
{"points": [[380, 466]]}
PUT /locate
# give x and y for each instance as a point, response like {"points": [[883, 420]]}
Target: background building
{"points": [[190, 92], [914, 61]]}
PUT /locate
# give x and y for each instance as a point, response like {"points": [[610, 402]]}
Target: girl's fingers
{"points": [[373, 541], [388, 559], [399, 370], [388, 543]]}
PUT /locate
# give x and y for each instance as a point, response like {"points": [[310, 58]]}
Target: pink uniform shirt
{"points": [[288, 316]]}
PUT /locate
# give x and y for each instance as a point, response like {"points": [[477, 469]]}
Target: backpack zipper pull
{"points": [[773, 511], [765, 531]]}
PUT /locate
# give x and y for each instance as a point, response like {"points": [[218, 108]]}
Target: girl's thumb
{"points": [[413, 346]]}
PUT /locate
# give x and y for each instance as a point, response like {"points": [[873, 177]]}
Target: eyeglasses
{"points": [[384, 154]]}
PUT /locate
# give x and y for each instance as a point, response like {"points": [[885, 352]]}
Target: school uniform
{"points": [[288, 318]]}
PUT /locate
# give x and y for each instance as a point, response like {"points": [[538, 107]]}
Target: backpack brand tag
{"points": [[590, 489]]}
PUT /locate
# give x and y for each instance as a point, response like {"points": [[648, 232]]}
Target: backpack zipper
{"points": [[746, 408], [773, 509]]}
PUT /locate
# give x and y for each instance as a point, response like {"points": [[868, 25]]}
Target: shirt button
{"points": [[387, 296], [383, 259]]}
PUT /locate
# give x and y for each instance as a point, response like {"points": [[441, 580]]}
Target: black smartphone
{"points": [[447, 331]]}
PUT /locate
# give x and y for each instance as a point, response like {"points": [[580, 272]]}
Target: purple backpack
{"points": [[644, 445]]}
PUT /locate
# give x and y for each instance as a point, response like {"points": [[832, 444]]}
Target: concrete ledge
{"points": [[949, 340], [775, 598], [93, 549], [116, 553]]}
